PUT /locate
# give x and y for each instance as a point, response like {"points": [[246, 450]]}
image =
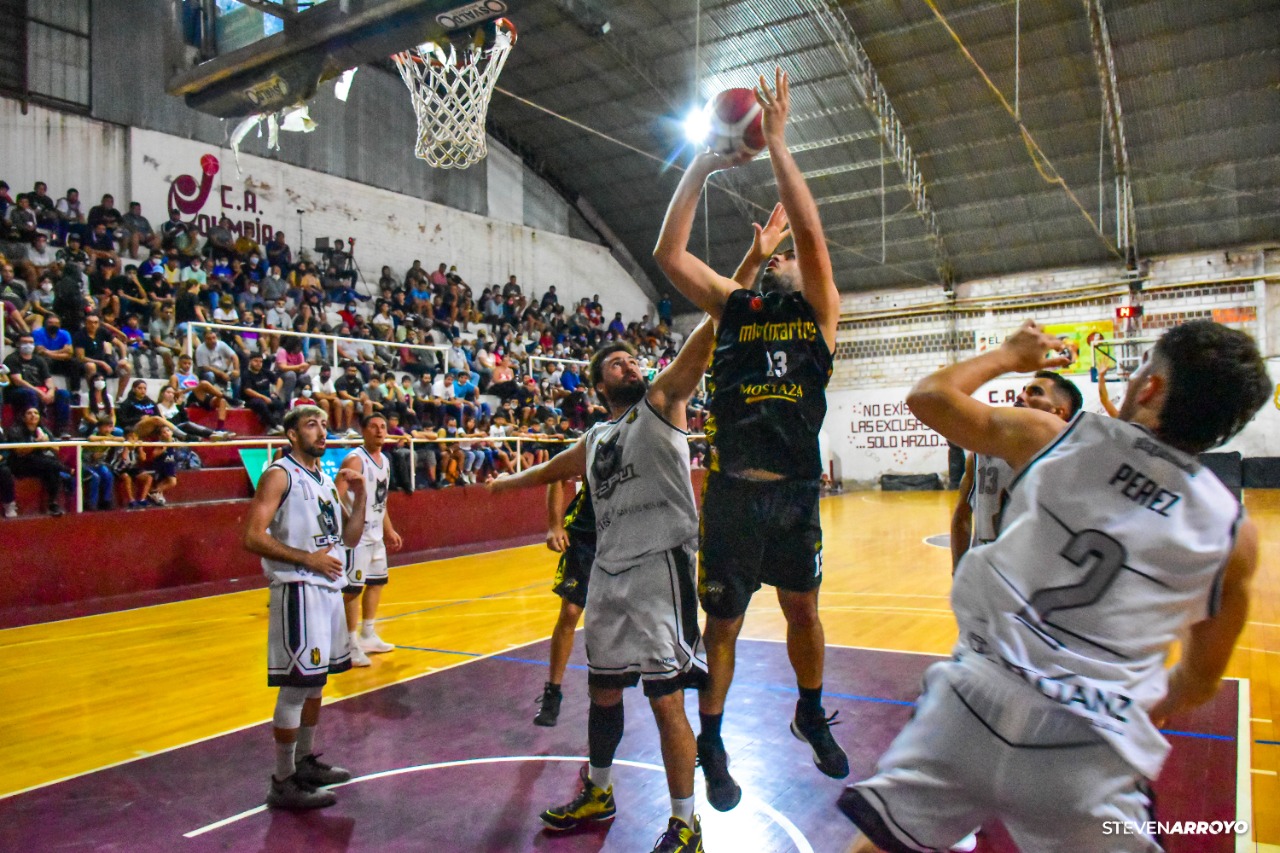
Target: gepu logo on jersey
{"points": [[328, 520], [605, 467]]}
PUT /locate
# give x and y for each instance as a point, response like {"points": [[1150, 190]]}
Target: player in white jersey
{"points": [[367, 562], [300, 528], [1114, 542], [985, 485], [987, 478], [642, 607]]}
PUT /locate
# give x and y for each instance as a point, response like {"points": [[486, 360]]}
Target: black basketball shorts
{"points": [[756, 532], [574, 570]]}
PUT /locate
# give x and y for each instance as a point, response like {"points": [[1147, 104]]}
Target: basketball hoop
{"points": [[451, 93]]}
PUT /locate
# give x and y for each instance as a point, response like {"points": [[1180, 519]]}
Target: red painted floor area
{"points": [[499, 770]]}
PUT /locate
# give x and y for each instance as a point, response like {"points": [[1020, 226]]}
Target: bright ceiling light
{"points": [[697, 126]]}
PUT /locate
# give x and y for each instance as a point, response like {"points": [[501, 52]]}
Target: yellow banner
{"points": [[1078, 339]]}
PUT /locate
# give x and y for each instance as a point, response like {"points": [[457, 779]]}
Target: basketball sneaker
{"points": [[292, 794], [591, 805], [358, 657], [827, 754], [372, 644], [312, 771], [965, 845], [548, 705], [722, 792], [680, 837]]}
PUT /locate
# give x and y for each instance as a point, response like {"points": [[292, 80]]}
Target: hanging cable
{"points": [[726, 190], [1039, 159]]}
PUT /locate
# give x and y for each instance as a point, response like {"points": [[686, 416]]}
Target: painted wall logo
{"points": [[190, 196]]}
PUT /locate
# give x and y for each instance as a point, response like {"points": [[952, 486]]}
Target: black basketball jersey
{"points": [[768, 386], [580, 516]]}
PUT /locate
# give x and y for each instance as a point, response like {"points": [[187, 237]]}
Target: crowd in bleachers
{"points": [[102, 299]]}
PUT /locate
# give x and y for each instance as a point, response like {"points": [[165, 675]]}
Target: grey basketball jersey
{"points": [[638, 473], [377, 480], [309, 518], [1111, 544], [991, 479]]}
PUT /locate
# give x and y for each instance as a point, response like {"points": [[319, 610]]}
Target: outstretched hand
{"points": [[708, 161], [776, 103], [769, 237], [1031, 348]]}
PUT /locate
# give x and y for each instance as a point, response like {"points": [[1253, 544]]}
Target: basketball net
{"points": [[451, 96]]}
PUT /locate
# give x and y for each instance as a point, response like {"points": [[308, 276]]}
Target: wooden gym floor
{"points": [[86, 694]]}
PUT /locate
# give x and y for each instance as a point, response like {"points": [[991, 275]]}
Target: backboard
{"points": [[315, 43]]}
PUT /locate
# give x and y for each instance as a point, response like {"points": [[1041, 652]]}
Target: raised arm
{"points": [[699, 283], [962, 517], [1195, 678], [563, 466], [942, 400], [764, 243], [671, 391], [816, 281], [1104, 396]]}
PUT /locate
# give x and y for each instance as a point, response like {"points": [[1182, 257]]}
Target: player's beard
{"points": [[309, 448], [773, 282], [626, 395]]}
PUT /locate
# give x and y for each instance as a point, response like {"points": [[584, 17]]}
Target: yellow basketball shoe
{"points": [[590, 806], [680, 837]]}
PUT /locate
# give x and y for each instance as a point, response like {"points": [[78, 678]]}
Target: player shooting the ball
{"points": [[768, 385]]}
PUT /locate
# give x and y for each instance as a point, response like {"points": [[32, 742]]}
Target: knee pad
{"points": [[288, 714]]}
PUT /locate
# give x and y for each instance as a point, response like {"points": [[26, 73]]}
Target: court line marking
{"points": [[1244, 785], [1258, 772], [793, 832], [333, 700], [1252, 649], [860, 648]]}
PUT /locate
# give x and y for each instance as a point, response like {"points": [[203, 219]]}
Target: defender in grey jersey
{"points": [[642, 606], [299, 526], [986, 478], [1113, 542]]}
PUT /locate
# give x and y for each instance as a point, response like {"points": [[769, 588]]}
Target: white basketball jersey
{"points": [[991, 479], [377, 480], [1111, 544], [309, 519], [638, 472]]}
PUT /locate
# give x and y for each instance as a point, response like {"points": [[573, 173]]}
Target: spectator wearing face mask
{"points": [[39, 463], [97, 408], [29, 385], [259, 387], [54, 343]]}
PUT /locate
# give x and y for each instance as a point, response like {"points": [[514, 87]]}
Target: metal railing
{"points": [[190, 348], [82, 445]]}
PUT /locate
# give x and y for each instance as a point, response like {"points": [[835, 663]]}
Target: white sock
{"points": [[355, 639], [601, 777], [683, 809], [306, 740], [366, 627], [284, 760]]}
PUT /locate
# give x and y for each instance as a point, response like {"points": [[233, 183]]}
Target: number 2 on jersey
{"points": [[1103, 555]]}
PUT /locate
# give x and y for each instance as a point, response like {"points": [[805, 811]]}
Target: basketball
{"points": [[735, 119]]}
